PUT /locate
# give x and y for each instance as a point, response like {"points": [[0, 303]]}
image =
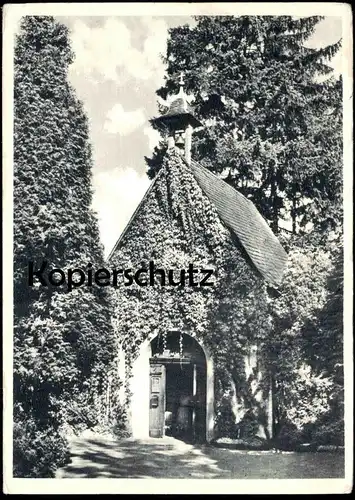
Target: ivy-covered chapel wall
{"points": [[176, 225]]}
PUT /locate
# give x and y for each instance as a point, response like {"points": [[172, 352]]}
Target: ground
{"points": [[95, 456]]}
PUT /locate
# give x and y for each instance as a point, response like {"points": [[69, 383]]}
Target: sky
{"points": [[116, 71]]}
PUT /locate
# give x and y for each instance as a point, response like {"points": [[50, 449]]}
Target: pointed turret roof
{"points": [[180, 110], [179, 104]]}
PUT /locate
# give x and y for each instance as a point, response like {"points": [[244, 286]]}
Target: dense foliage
{"points": [[306, 346], [37, 452], [272, 129], [272, 116], [64, 343], [177, 225]]}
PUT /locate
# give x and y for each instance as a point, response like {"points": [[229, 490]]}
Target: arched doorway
{"points": [[178, 388], [156, 377]]}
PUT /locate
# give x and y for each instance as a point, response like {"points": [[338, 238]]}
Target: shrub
{"points": [[289, 437], [330, 433], [82, 413], [37, 452], [225, 419], [120, 424]]}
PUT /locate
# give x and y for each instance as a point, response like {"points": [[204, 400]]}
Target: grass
{"points": [[101, 457]]}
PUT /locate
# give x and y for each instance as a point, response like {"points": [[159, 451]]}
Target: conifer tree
{"points": [[63, 341], [272, 116], [271, 113]]}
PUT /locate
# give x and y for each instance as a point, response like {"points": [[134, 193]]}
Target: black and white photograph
{"points": [[177, 247]]}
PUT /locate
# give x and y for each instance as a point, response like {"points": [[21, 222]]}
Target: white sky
{"points": [[116, 72]]}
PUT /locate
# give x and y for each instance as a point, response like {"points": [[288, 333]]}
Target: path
{"points": [[103, 457]]}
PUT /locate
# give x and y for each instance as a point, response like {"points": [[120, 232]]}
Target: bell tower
{"points": [[180, 121]]}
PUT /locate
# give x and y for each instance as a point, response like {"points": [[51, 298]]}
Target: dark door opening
{"points": [[185, 411], [179, 402]]}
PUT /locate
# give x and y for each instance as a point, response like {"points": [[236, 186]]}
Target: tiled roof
{"points": [[242, 217]]}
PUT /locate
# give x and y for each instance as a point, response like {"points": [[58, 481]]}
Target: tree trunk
{"points": [[293, 215]]}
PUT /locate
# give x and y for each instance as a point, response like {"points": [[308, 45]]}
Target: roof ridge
{"points": [[241, 195], [238, 213]]}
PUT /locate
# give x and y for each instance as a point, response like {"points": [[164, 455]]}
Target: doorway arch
{"points": [[140, 384]]}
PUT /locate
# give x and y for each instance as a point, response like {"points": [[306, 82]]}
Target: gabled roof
{"points": [[242, 217], [135, 213]]}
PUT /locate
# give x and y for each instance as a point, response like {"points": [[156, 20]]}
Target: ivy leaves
{"points": [[175, 226]]}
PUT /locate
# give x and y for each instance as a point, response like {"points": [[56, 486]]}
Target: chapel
{"points": [[193, 360]]}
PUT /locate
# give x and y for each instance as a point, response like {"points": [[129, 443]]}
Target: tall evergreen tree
{"points": [[272, 116], [63, 341], [271, 113]]}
